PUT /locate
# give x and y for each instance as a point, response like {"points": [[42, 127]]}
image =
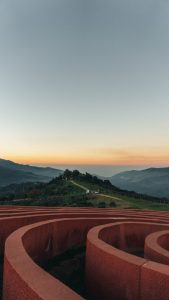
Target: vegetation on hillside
{"points": [[75, 189]]}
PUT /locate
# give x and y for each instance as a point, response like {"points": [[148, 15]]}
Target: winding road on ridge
{"points": [[100, 194]]}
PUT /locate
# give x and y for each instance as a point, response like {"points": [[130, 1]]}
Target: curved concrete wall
{"points": [[112, 273], [38, 242], [112, 269], [156, 247]]}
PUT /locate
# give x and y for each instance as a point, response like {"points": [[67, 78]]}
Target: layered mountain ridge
{"points": [[11, 172], [151, 181]]}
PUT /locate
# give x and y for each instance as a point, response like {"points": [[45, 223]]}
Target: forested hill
{"points": [[73, 188], [11, 172]]}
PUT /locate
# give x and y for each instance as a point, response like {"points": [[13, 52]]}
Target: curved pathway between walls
{"points": [[114, 238]]}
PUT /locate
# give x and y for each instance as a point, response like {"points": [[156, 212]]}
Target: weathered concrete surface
{"points": [[34, 234], [156, 247], [114, 274]]}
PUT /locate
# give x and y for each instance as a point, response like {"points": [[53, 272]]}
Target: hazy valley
{"points": [[152, 181]]}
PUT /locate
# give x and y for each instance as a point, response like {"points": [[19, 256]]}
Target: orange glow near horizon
{"points": [[96, 158], [85, 91]]}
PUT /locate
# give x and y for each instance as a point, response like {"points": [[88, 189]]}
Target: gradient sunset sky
{"points": [[84, 81]]}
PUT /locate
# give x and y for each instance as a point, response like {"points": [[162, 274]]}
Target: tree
{"points": [[67, 174], [75, 174]]}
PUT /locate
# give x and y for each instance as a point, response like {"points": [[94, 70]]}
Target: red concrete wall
{"points": [[111, 273], [154, 282], [111, 276], [41, 241], [156, 247]]}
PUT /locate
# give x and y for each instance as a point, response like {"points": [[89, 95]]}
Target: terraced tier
{"points": [[127, 255]]}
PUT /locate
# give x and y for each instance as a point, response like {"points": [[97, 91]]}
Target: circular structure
{"points": [[127, 255]]}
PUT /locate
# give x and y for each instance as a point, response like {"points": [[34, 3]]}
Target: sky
{"points": [[84, 82]]}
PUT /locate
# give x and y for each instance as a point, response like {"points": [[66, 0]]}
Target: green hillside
{"points": [[76, 189]]}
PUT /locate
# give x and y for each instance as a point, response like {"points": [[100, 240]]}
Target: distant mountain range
{"points": [[11, 172], [152, 181]]}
